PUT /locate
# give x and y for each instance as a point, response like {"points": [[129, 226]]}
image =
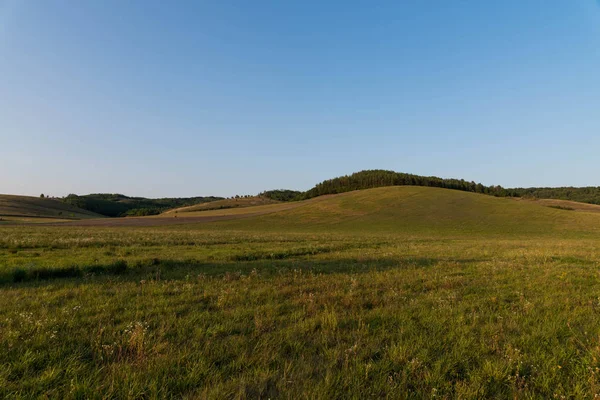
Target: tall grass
{"points": [[299, 315]]}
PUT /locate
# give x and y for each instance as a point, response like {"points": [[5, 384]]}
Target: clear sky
{"points": [[160, 98]]}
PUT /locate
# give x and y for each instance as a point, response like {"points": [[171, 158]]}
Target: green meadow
{"points": [[397, 292]]}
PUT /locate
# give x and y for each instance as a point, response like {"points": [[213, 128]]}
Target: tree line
{"points": [[377, 178], [118, 205]]}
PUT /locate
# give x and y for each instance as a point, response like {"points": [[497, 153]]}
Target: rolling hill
{"points": [[35, 209], [413, 209]]}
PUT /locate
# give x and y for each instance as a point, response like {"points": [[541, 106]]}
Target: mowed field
{"points": [[400, 292]]}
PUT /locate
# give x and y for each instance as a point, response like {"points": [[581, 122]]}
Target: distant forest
{"points": [[118, 205]]}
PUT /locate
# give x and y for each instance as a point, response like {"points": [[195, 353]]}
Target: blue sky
{"points": [[156, 98]]}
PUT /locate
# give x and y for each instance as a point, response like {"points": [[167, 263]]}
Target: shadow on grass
{"points": [[291, 253], [176, 270], [119, 267]]}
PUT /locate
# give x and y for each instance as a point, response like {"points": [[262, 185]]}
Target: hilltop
{"points": [[369, 179], [35, 209]]}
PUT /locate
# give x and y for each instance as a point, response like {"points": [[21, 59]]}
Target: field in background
{"points": [[375, 293], [240, 202], [26, 209]]}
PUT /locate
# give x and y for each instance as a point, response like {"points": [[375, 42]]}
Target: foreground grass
{"points": [[210, 313]]}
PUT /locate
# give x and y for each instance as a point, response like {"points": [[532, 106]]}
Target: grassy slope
{"points": [[378, 293], [411, 209], [268, 208], [34, 208], [224, 204]]}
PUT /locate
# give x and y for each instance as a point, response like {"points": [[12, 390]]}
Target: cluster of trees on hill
{"points": [[378, 178], [118, 205], [281, 194]]}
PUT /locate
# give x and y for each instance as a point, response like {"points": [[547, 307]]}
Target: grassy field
{"points": [[398, 292], [15, 209]]}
